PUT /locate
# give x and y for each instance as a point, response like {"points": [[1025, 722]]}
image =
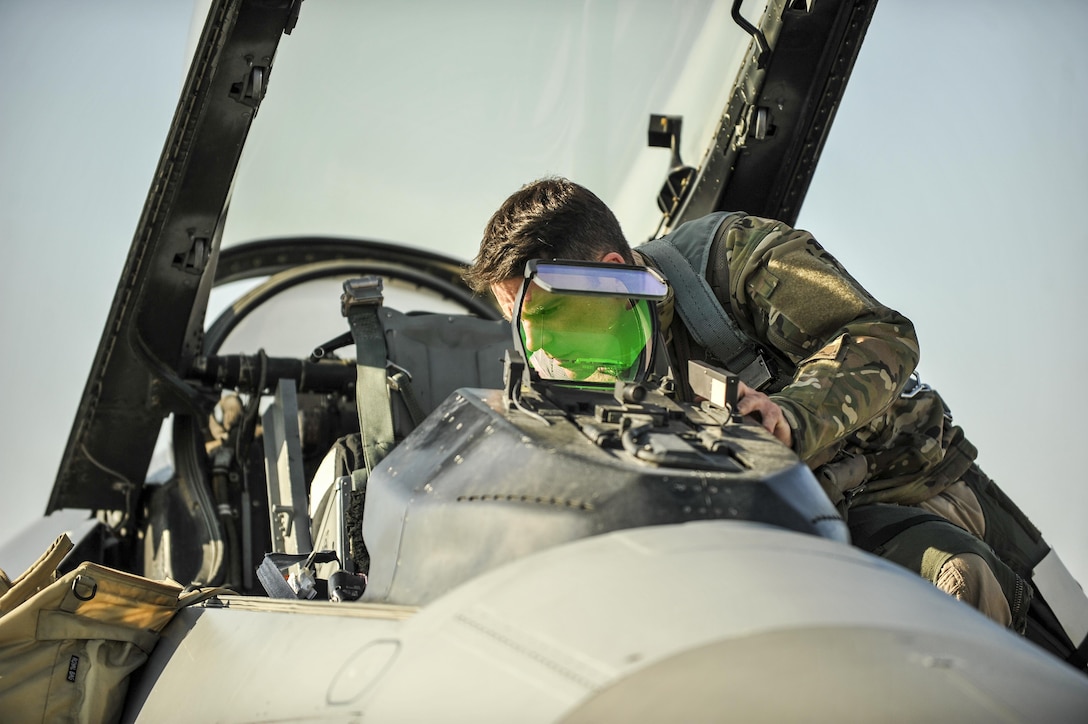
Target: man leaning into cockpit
{"points": [[829, 371]]}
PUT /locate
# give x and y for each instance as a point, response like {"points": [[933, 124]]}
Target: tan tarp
{"points": [[68, 645]]}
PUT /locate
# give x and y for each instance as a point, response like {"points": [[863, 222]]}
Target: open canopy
{"points": [[410, 123]]}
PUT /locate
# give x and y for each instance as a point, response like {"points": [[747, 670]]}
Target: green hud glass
{"points": [[588, 322]]}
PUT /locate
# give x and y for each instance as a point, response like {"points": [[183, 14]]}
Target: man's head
{"points": [[552, 218]]}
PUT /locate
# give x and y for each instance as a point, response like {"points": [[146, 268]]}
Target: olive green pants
{"points": [[944, 554], [944, 541]]}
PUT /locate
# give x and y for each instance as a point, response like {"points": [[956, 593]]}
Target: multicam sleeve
{"points": [[853, 355]]}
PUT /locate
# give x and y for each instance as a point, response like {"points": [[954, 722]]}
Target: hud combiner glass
{"points": [[588, 322]]}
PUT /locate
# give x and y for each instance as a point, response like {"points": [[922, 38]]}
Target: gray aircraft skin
{"points": [[535, 552]]}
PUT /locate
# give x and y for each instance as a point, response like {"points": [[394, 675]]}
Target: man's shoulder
{"points": [[701, 230], [692, 239]]}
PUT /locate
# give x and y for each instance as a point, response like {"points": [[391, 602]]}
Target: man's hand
{"points": [[770, 414]]}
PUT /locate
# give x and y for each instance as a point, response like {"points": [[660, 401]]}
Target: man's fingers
{"points": [[772, 416], [752, 402], [768, 412], [783, 431], [749, 400], [775, 422]]}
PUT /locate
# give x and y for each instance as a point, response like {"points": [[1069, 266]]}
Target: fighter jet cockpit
{"points": [[419, 509], [582, 436]]}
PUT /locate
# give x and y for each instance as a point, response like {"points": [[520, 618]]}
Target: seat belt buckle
{"points": [[361, 291], [757, 374]]}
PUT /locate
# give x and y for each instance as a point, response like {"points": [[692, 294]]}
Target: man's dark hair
{"points": [[551, 218]]}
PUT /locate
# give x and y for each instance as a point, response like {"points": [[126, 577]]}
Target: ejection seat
{"points": [[408, 364]]}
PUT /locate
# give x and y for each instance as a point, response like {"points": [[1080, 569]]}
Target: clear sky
{"points": [[951, 187], [87, 92]]}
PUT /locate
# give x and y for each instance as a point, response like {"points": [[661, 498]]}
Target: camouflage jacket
{"points": [[844, 361]]}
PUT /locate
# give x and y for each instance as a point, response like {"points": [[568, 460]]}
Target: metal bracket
{"points": [[759, 122], [195, 258], [664, 132], [361, 291], [250, 90]]}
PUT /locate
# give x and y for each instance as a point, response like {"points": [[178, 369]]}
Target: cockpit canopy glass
{"points": [[411, 122], [588, 323]]}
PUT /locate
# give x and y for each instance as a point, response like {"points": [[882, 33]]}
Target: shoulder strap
{"points": [[361, 304], [682, 256]]}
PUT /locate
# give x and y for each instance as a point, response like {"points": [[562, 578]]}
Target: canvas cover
{"points": [[68, 644]]}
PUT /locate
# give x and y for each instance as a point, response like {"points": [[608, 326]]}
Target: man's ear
{"points": [[613, 257]]}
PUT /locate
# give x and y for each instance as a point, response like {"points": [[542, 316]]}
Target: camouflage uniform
{"points": [[880, 443], [845, 358]]}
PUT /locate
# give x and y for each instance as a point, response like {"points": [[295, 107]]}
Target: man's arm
{"points": [[853, 354]]}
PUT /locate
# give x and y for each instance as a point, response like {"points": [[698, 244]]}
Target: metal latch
{"points": [[361, 291], [251, 89]]}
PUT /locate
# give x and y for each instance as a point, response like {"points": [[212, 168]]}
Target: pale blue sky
{"points": [[950, 187], [953, 187], [87, 91]]}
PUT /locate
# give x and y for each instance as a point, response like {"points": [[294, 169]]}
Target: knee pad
{"points": [[967, 577]]}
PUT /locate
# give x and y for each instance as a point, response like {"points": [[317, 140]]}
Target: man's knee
{"points": [[968, 577], [946, 555]]}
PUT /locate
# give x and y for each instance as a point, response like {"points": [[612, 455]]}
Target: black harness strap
{"points": [[870, 538], [698, 307]]}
